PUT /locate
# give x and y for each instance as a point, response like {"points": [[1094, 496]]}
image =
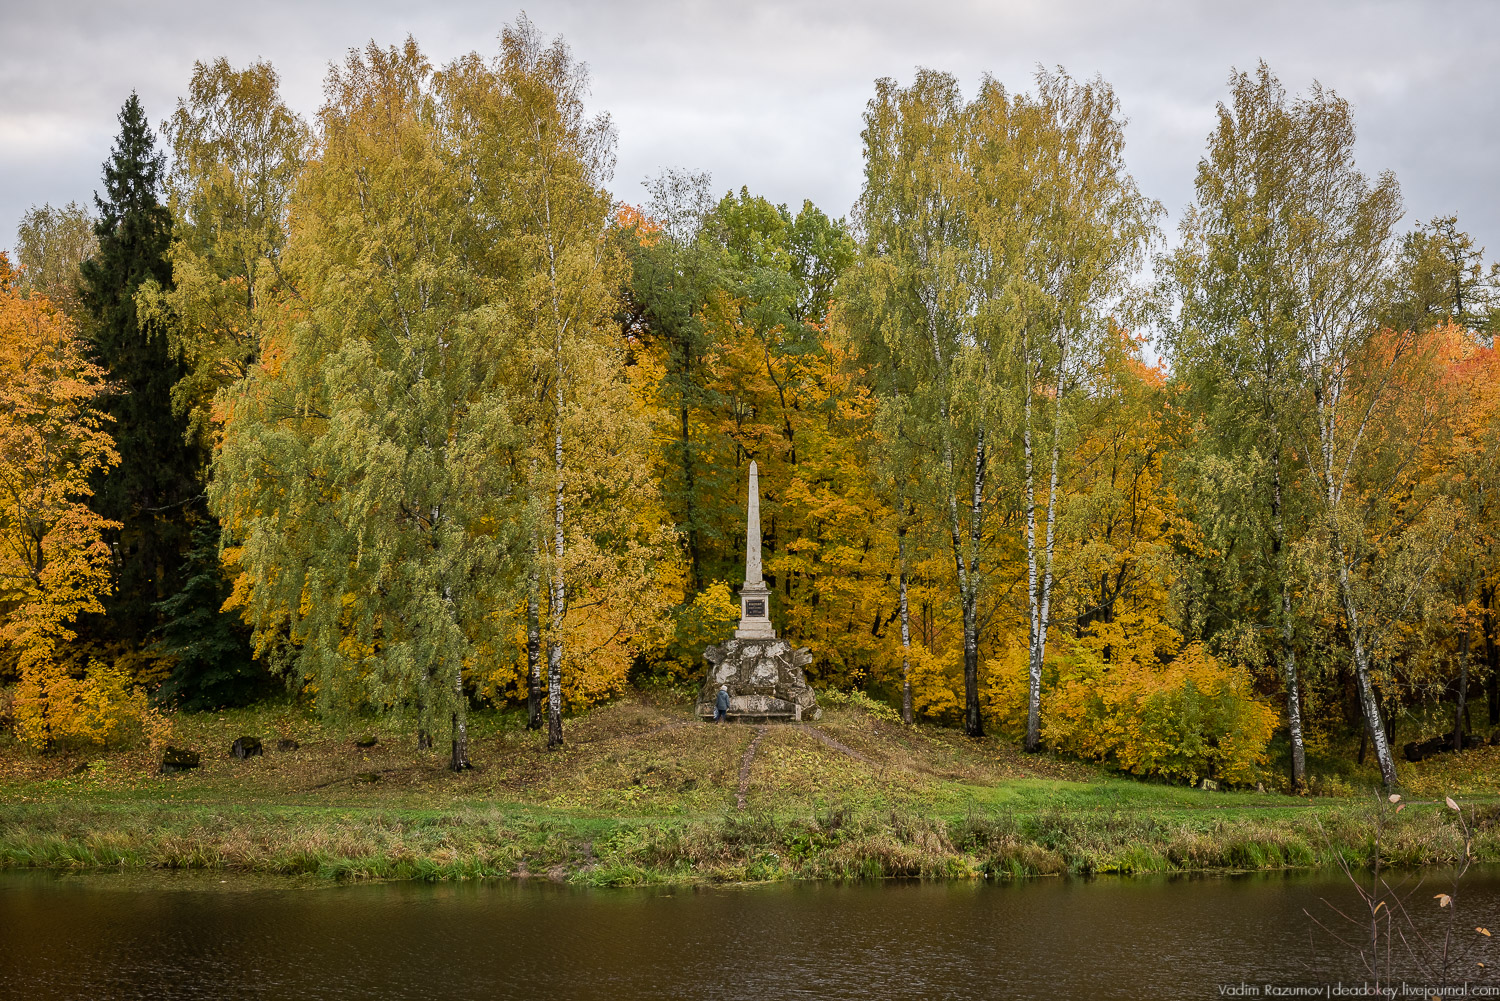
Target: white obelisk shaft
{"points": [[755, 597], [752, 530]]}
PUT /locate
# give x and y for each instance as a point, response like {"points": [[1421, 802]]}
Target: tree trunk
{"points": [[973, 724], [1368, 704], [424, 713], [1293, 694], [1039, 565], [559, 597], [1288, 652], [460, 761], [1044, 611], [1367, 698], [905, 627], [534, 644], [1463, 689], [1492, 654]]}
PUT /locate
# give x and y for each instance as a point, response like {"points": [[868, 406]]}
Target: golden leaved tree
{"points": [[54, 563]]}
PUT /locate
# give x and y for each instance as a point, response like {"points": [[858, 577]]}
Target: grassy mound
{"points": [[641, 793]]}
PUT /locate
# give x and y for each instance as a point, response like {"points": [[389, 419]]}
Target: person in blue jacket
{"points": [[721, 705]]}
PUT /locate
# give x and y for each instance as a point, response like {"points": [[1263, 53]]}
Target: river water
{"points": [[196, 935]]}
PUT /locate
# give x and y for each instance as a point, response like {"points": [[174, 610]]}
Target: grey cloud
{"points": [[770, 95]]}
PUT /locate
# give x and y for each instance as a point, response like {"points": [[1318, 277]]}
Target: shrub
{"points": [[832, 697], [100, 708], [709, 619], [1191, 717]]}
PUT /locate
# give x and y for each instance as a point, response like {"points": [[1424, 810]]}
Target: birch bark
{"points": [[1288, 653], [1039, 573], [1333, 487], [534, 641], [905, 627]]}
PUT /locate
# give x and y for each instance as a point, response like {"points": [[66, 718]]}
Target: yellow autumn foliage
{"points": [[1191, 717], [100, 708], [54, 564], [708, 619]]}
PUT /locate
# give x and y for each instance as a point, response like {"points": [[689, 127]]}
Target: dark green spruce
{"points": [[155, 493]]}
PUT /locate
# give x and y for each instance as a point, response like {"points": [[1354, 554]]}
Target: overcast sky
{"points": [[769, 95]]}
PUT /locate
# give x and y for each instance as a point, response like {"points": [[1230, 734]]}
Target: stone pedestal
{"points": [[765, 681], [755, 613]]}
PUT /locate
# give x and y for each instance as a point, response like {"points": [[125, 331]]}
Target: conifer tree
{"points": [[152, 490]]}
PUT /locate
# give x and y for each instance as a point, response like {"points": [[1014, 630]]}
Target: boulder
{"points": [[368, 740], [287, 744], [245, 747], [177, 759]]}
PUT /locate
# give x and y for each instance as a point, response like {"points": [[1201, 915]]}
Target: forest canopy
{"points": [[403, 408]]}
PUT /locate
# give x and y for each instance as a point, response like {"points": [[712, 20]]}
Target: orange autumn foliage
{"points": [[54, 563]]}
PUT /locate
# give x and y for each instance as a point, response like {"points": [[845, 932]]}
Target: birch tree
{"points": [[1292, 246], [1075, 228], [587, 449], [1237, 345], [367, 462], [51, 246], [237, 151], [916, 291]]}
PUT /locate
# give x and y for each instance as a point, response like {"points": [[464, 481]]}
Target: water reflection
{"points": [[207, 936]]}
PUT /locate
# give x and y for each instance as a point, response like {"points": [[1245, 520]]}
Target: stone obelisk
{"points": [[755, 597], [762, 674]]}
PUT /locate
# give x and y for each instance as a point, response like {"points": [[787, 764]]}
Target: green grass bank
{"points": [[641, 794]]}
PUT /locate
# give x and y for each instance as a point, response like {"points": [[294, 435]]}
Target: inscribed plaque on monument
{"points": [[755, 609]]}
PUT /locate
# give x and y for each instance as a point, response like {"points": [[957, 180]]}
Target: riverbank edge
{"points": [[473, 842]]}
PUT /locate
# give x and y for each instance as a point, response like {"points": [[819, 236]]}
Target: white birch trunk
{"points": [[1288, 652], [1033, 666], [905, 626], [460, 761], [1362, 670], [973, 724], [965, 570], [1039, 576], [534, 641], [559, 593]]}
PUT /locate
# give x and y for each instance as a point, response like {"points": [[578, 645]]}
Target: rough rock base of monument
{"points": [[765, 681]]}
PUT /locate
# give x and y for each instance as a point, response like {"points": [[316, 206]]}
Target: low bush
{"points": [[833, 698], [1190, 718]]}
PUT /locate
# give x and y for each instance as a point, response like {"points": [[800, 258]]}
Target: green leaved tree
{"points": [[368, 467]]}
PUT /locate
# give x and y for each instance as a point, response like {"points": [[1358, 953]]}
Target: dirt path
{"points": [[840, 746], [745, 762]]}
